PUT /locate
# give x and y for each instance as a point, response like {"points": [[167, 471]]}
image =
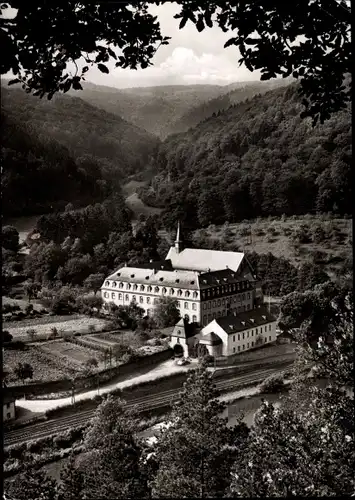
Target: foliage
{"points": [[311, 309], [23, 371], [94, 282], [193, 457], [10, 238], [32, 483], [166, 312], [273, 51], [127, 316], [113, 453], [272, 384]]}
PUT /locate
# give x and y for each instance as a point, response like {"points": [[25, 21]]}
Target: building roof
{"points": [[210, 339], [8, 398], [217, 278], [245, 320], [203, 260], [175, 278], [185, 329]]}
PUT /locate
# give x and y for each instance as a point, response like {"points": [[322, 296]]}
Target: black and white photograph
{"points": [[177, 249]]}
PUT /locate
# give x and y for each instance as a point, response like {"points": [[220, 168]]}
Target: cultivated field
{"points": [[45, 365], [63, 324]]}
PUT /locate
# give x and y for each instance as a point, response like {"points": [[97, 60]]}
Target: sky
{"points": [[190, 58]]}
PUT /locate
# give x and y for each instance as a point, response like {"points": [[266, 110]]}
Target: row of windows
{"points": [[226, 288], [237, 298], [148, 300], [252, 332], [151, 289], [242, 347]]}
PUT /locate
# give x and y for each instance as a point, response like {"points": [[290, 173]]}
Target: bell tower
{"points": [[178, 241]]}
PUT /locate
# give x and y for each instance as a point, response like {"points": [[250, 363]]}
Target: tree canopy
{"points": [[306, 39]]}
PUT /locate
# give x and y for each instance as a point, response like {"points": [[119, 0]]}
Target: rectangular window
{"points": [[148, 300], [256, 331], [243, 335], [209, 305], [252, 333], [113, 295], [120, 296], [194, 307], [233, 338], [248, 335], [238, 348], [248, 345], [269, 328], [233, 349], [238, 336], [243, 347], [252, 344], [178, 303], [265, 329], [270, 338], [8, 416]]}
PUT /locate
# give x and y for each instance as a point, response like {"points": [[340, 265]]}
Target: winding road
{"points": [[149, 402]]}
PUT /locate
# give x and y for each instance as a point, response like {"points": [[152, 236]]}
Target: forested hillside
{"points": [[39, 174], [233, 94], [257, 158], [155, 109], [119, 147]]}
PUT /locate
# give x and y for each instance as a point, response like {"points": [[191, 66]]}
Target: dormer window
{"points": [[118, 274], [192, 282], [264, 318], [177, 281], [132, 275], [231, 327], [161, 279], [147, 277], [252, 320], [243, 323]]}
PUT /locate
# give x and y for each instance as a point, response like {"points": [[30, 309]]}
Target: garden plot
{"points": [[81, 324], [67, 352], [45, 365]]}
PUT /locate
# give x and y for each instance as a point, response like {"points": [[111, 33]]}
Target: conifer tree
{"points": [[194, 455]]}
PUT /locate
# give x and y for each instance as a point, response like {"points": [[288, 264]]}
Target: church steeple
{"points": [[178, 240]]}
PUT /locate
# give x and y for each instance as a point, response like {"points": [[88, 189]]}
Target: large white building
{"points": [[207, 284], [215, 290]]}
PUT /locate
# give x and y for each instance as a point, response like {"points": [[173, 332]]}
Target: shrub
{"points": [[272, 384], [6, 336], [17, 450], [6, 308], [28, 309]]}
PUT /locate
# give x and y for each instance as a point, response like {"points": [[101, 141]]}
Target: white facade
{"points": [[236, 341]]}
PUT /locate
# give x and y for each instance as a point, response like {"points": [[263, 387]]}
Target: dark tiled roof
{"points": [[246, 320], [218, 278], [7, 398]]}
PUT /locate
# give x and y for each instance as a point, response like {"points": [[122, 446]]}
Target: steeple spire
{"points": [[178, 241]]}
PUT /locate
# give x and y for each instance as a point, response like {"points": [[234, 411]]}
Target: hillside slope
{"points": [[257, 158], [237, 92], [40, 175], [121, 147], [153, 108]]}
